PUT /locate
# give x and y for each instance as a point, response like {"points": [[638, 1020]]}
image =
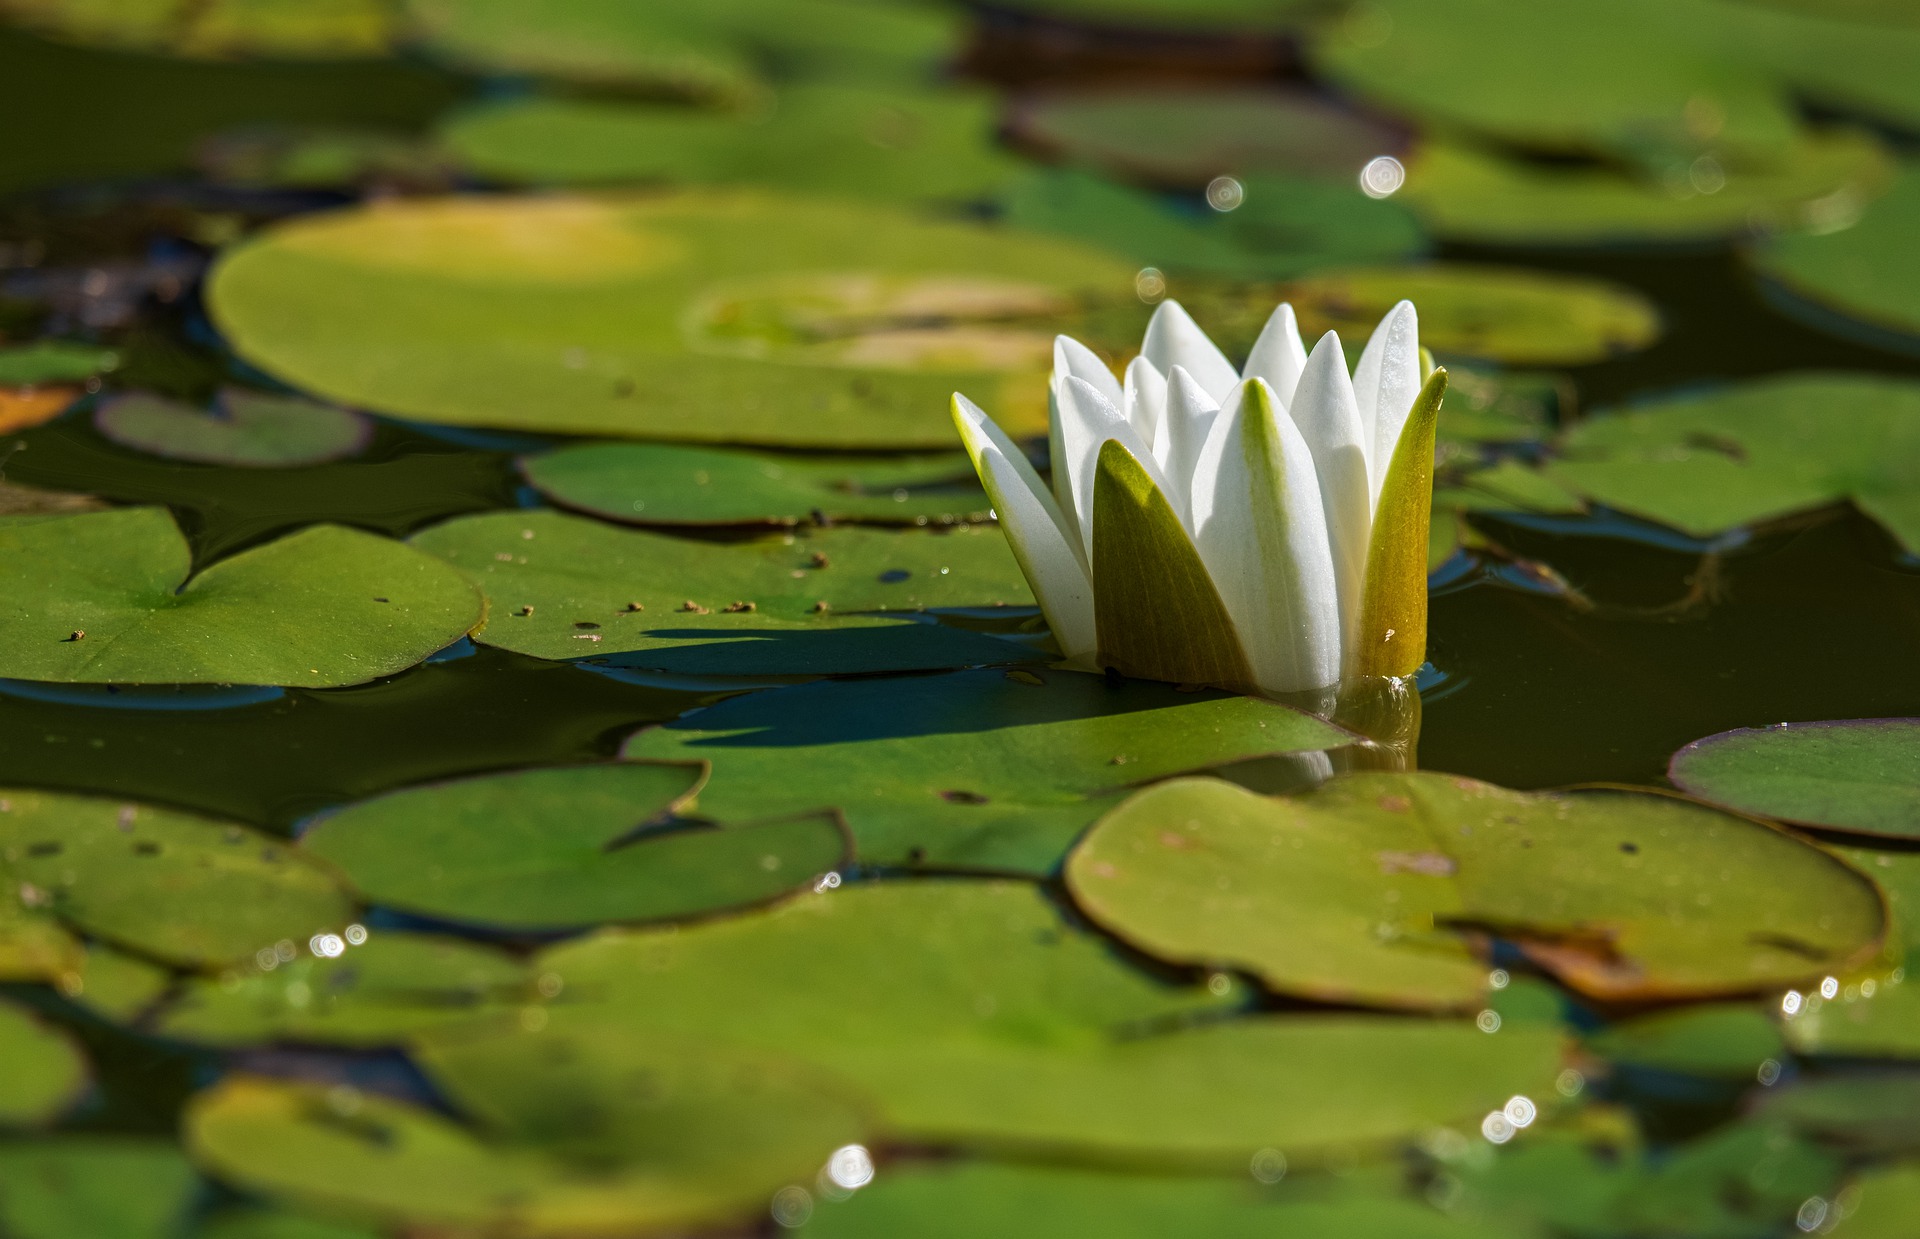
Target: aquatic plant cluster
{"points": [[712, 619]]}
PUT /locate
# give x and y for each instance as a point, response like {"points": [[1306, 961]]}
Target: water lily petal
{"points": [[1189, 416], [1159, 614], [1048, 550], [1174, 339], [1087, 419], [1325, 410], [1386, 382], [1262, 531], [1074, 359], [1146, 401], [1393, 616], [1278, 356]]}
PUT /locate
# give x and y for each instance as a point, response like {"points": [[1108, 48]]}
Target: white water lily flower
{"points": [[1264, 529]]}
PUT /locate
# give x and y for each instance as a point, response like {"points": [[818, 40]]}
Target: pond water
{"points": [[391, 851]]}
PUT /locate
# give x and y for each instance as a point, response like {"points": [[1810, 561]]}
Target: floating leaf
{"points": [[566, 847], [369, 1157], [107, 597], [245, 428], [566, 587], [1859, 273], [113, 985], [975, 769], [1188, 135], [1884, 1203], [53, 361], [253, 1222], [174, 886], [95, 1187], [869, 142], [710, 317], [1860, 775], [41, 1073], [1506, 314], [1723, 1039], [976, 1015], [1205, 872], [219, 28], [1466, 194], [964, 1200], [1755, 452], [378, 992], [1198, 16], [23, 407], [1876, 1015], [1868, 1113], [670, 484]]}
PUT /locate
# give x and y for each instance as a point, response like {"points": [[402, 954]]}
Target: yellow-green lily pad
{"points": [[975, 769], [95, 1187], [1876, 1013], [1503, 314], [1859, 274], [568, 846], [1733, 1040], [377, 991], [1758, 451], [41, 1072], [1857, 775], [248, 429], [679, 484], [53, 361], [561, 586], [167, 885], [975, 1014], [255, 1222], [1349, 893], [717, 317], [218, 29]]}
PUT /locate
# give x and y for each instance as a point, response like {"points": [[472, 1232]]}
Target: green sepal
{"points": [[1156, 610], [1393, 610]]}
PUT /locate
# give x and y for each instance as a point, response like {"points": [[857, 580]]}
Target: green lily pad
{"points": [[1858, 274], [106, 597], [1756, 452], [1876, 1015], [377, 992], [253, 1222], [95, 1187], [1463, 193], [710, 317], [975, 769], [1507, 486], [1868, 1113], [874, 143], [1196, 16], [965, 1200], [1634, 76], [1285, 226], [53, 361], [1373, 870], [562, 586], [1720, 1039], [1859, 775], [671, 484], [114, 985], [1503, 314], [172, 886], [386, 1162], [567, 847], [1841, 57], [41, 1072], [1884, 1203], [975, 1015], [244, 428], [1188, 135], [217, 29]]}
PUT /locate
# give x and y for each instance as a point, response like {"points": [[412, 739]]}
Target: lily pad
{"points": [[253, 1222], [106, 597], [874, 143], [95, 1187], [41, 1073], [172, 886], [218, 29], [53, 361], [965, 1200], [671, 484], [975, 769], [1860, 273], [1187, 16], [567, 847], [709, 317], [1500, 313], [976, 1015], [384, 1161], [1884, 1203], [1756, 452], [1719, 1040], [23, 407], [1876, 1015], [1464, 193], [1860, 775], [562, 586], [113, 985], [243, 428], [376, 992], [1373, 870], [1187, 135]]}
